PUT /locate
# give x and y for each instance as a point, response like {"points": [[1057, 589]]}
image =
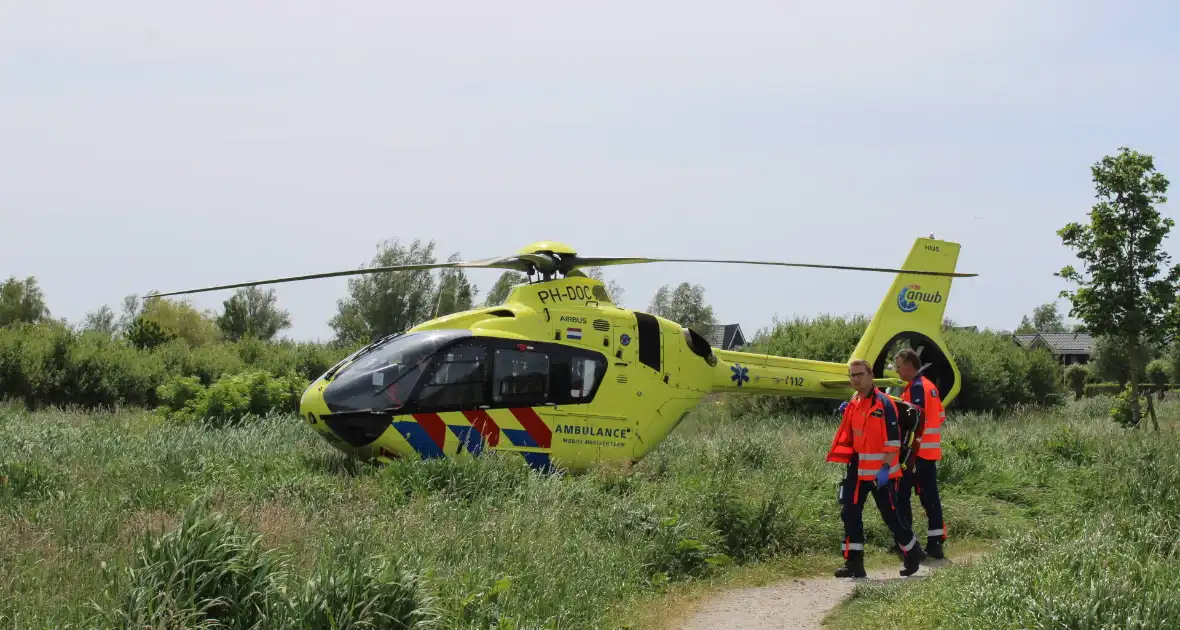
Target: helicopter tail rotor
{"points": [[911, 315]]}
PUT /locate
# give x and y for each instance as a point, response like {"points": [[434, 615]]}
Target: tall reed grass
{"points": [[122, 519]]}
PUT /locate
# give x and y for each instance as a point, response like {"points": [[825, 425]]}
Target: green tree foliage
{"points": [[51, 364], [1127, 289], [998, 375], [146, 334], [231, 399], [1046, 318], [455, 292], [131, 308], [382, 303], [1076, 376], [1111, 361], [102, 320], [503, 286], [1157, 376], [252, 312], [685, 305], [21, 301], [180, 319], [1172, 356]]}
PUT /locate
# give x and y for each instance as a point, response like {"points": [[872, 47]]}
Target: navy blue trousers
{"points": [[854, 496], [923, 477]]}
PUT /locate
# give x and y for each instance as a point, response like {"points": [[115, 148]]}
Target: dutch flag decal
{"points": [[573, 333]]}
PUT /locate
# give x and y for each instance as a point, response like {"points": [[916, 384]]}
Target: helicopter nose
{"points": [[358, 428], [346, 430]]}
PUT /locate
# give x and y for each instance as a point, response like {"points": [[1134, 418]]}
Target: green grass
{"points": [[113, 519]]}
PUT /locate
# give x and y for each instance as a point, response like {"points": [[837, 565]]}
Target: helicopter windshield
{"points": [[382, 378]]}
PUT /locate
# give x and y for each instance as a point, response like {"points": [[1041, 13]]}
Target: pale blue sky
{"points": [[282, 138]]}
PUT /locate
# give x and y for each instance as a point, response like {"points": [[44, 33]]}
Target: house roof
{"points": [[1068, 343], [725, 336], [1058, 343], [1025, 340]]}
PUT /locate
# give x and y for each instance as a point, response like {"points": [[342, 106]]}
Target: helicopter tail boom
{"points": [[751, 373]]}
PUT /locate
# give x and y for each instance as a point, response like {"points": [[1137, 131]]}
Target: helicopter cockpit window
{"points": [[521, 378], [384, 377], [457, 380]]}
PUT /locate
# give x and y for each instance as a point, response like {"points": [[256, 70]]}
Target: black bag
{"points": [[844, 490], [908, 416]]}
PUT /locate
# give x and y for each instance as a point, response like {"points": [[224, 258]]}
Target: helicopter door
{"points": [[521, 403], [596, 427]]}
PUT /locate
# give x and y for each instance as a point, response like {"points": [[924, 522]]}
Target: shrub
{"points": [[1102, 389], [1076, 376], [998, 375], [231, 398], [146, 334], [1157, 376], [824, 338], [1120, 410], [49, 364]]}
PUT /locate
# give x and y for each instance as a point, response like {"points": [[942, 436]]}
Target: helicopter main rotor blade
{"points": [[505, 262], [596, 261]]}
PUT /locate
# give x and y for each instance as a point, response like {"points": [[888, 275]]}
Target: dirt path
{"points": [[796, 604]]}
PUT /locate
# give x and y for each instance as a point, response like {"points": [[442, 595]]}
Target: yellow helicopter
{"points": [[565, 378]]}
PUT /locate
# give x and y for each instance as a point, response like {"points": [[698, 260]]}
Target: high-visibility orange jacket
{"points": [[869, 429], [924, 395]]}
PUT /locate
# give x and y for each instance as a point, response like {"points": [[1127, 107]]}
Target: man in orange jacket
{"points": [[869, 441], [920, 473]]}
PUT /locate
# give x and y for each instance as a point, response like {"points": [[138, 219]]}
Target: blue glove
{"points": [[842, 406], [883, 477]]}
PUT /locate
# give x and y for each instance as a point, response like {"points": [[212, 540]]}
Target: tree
{"points": [[145, 333], [1046, 318], [21, 301], [1076, 376], [131, 308], [382, 303], [455, 292], [661, 302], [1157, 375], [1128, 290], [613, 288], [102, 320], [179, 319], [684, 305], [503, 286], [252, 312]]}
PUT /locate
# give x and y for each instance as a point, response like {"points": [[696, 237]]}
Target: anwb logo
{"points": [[909, 297]]}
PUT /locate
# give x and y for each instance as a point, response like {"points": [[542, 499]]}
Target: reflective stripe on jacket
{"points": [[923, 394], [869, 429]]}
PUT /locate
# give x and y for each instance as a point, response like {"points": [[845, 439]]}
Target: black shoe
{"points": [[913, 558], [934, 548], [897, 550], [854, 566]]}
